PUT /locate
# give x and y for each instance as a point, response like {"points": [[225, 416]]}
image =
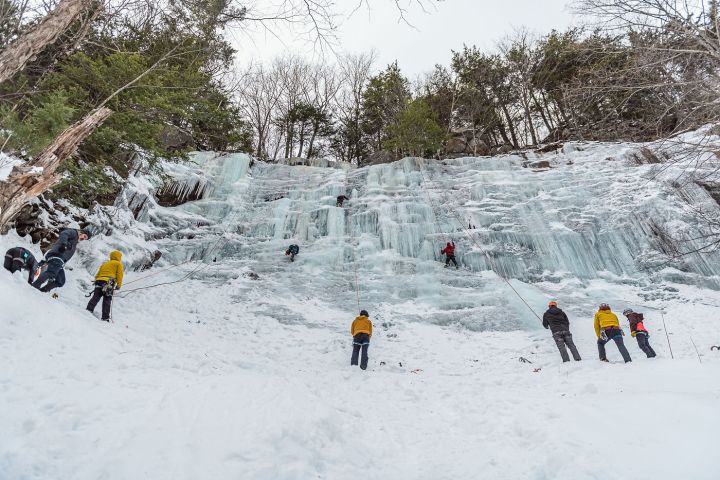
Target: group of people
{"points": [[607, 328], [49, 273]]}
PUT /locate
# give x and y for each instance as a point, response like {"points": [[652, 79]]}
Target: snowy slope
{"points": [[225, 376]]}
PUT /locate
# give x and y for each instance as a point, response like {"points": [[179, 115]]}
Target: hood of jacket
{"points": [[116, 255]]}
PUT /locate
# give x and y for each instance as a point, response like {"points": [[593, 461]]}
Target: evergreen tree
{"points": [[416, 131]]}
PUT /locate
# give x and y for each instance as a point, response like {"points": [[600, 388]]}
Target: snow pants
{"points": [[96, 296], [53, 275], [361, 341], [562, 340], [616, 336], [643, 340], [451, 258]]}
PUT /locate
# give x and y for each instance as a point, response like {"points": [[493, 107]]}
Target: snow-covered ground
{"points": [[226, 375]]}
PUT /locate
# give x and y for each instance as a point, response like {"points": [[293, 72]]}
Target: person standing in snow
{"points": [[638, 330], [53, 270], [340, 200], [19, 258], [361, 332], [607, 327], [449, 252], [108, 278], [292, 251], [557, 321]]}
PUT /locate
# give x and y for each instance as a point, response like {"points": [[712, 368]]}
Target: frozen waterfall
{"points": [[593, 213]]}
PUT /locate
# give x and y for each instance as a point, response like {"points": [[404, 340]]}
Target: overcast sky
{"points": [[447, 26]]}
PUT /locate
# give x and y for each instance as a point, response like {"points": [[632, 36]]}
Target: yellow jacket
{"points": [[361, 324], [112, 269], [605, 319]]}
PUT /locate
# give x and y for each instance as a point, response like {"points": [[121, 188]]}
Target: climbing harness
{"points": [[473, 240]]}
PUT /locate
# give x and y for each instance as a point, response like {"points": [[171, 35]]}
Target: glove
{"points": [[632, 334]]}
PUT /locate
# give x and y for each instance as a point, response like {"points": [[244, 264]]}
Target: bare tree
{"points": [[27, 45]]}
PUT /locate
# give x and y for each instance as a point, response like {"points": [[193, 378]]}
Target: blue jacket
{"points": [[65, 245]]}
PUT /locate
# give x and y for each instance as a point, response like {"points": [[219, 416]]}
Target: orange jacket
{"points": [[361, 324]]}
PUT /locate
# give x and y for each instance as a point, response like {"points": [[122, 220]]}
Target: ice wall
{"points": [[593, 213]]}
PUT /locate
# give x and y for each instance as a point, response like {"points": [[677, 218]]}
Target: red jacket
{"points": [[449, 249]]}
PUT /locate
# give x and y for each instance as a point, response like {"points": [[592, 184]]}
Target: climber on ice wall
{"points": [[449, 252], [292, 251], [340, 200]]}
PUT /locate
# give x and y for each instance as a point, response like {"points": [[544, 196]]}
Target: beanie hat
{"points": [[364, 313], [604, 306], [628, 310], [86, 232]]}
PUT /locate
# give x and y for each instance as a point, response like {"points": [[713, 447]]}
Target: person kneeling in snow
{"points": [[108, 278], [292, 251], [638, 330], [19, 258], [559, 325], [52, 273], [607, 327], [361, 332]]}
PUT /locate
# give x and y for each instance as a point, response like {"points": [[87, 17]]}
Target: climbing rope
{"points": [[477, 243], [353, 243]]}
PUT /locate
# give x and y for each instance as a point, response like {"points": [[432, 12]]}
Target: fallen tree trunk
{"points": [[29, 44], [31, 179]]}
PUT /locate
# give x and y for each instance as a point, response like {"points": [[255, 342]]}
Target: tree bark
{"points": [[28, 45], [31, 179]]}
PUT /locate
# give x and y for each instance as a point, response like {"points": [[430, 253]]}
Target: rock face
{"points": [[478, 148], [176, 139], [540, 164], [42, 222], [502, 149], [380, 157], [456, 145]]}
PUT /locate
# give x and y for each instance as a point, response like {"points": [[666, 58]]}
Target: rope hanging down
{"points": [[352, 243], [476, 242]]}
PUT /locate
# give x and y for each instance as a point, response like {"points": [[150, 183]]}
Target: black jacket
{"points": [[19, 258], [65, 245], [556, 320]]}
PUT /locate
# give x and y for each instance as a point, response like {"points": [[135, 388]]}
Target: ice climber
{"points": [[607, 327], [108, 278], [19, 258], [557, 321], [52, 274], [292, 251], [449, 252], [361, 332], [340, 200], [638, 330]]}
